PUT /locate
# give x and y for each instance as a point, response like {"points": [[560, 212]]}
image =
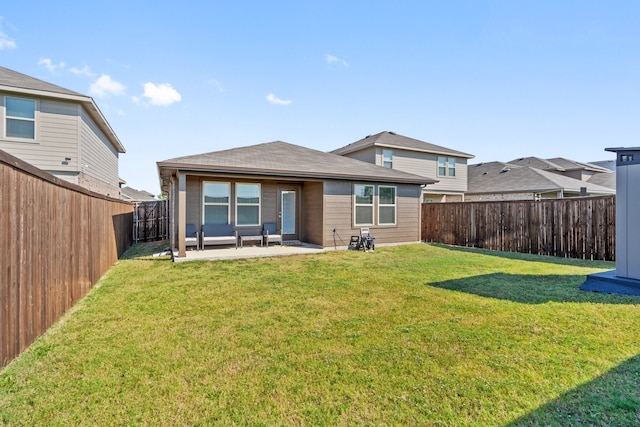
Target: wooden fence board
{"points": [[573, 228], [58, 240]]}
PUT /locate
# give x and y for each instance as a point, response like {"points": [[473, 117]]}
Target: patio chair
{"points": [[219, 234], [192, 237], [270, 233]]}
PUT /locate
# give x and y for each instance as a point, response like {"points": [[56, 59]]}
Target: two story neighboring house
{"points": [[390, 150], [59, 131]]}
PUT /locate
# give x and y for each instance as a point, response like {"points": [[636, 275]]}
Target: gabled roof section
{"points": [[129, 193], [21, 84], [604, 179], [537, 162], [568, 164], [393, 140], [559, 164], [288, 160], [498, 177]]}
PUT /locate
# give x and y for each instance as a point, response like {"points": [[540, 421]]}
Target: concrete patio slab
{"points": [[249, 251]]}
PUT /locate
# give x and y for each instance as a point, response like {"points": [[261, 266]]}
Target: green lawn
{"points": [[407, 335]]}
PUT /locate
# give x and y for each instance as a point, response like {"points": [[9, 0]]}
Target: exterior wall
{"points": [[268, 202], [99, 158], [419, 163], [312, 209], [57, 136], [64, 131], [339, 215], [368, 155], [425, 164]]}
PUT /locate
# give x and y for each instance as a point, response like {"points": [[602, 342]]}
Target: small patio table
{"points": [[250, 238]]}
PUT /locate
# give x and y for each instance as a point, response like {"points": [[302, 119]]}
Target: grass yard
{"points": [[407, 335]]}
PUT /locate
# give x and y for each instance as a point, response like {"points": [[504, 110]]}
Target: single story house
{"points": [[312, 196]]}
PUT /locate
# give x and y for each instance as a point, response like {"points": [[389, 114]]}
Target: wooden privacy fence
{"points": [[57, 240], [150, 221], [572, 228]]}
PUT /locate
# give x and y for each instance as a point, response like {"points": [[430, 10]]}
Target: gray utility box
{"points": [[627, 212]]}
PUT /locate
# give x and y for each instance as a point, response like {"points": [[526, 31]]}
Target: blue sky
{"points": [[497, 79]]}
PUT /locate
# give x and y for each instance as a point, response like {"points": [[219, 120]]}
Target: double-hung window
{"points": [[363, 204], [387, 158], [216, 202], [446, 166], [386, 205], [20, 118], [247, 204]]}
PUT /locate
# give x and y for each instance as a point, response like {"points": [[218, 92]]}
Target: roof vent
{"points": [[505, 169], [485, 172], [392, 133]]}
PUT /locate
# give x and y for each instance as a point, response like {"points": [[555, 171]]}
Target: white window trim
{"points": [[205, 204], [259, 204], [34, 120], [356, 205], [390, 159], [395, 205], [447, 166]]}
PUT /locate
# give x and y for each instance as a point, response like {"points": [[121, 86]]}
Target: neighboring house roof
{"points": [[288, 160], [559, 164], [498, 177], [129, 193], [607, 164], [393, 140], [13, 81], [604, 179]]}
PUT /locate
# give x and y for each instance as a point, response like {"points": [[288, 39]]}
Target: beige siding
{"points": [[425, 164], [98, 158], [57, 137], [419, 163], [367, 155], [338, 203]]}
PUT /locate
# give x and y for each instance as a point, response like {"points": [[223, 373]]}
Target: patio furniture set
{"points": [[224, 234]]}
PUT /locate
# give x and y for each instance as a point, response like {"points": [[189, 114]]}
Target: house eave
{"points": [[280, 174]]}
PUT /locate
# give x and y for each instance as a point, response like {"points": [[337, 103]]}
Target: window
{"points": [[387, 158], [363, 204], [386, 205], [216, 202], [21, 118], [247, 204], [446, 166]]}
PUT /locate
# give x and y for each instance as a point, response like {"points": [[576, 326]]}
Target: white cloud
{"points": [[84, 71], [272, 99], [49, 65], [163, 94], [105, 86], [6, 42], [332, 58]]}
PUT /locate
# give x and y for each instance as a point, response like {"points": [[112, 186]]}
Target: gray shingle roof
{"points": [[137, 195], [557, 163], [283, 159], [498, 177], [604, 179], [18, 80], [393, 140]]}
